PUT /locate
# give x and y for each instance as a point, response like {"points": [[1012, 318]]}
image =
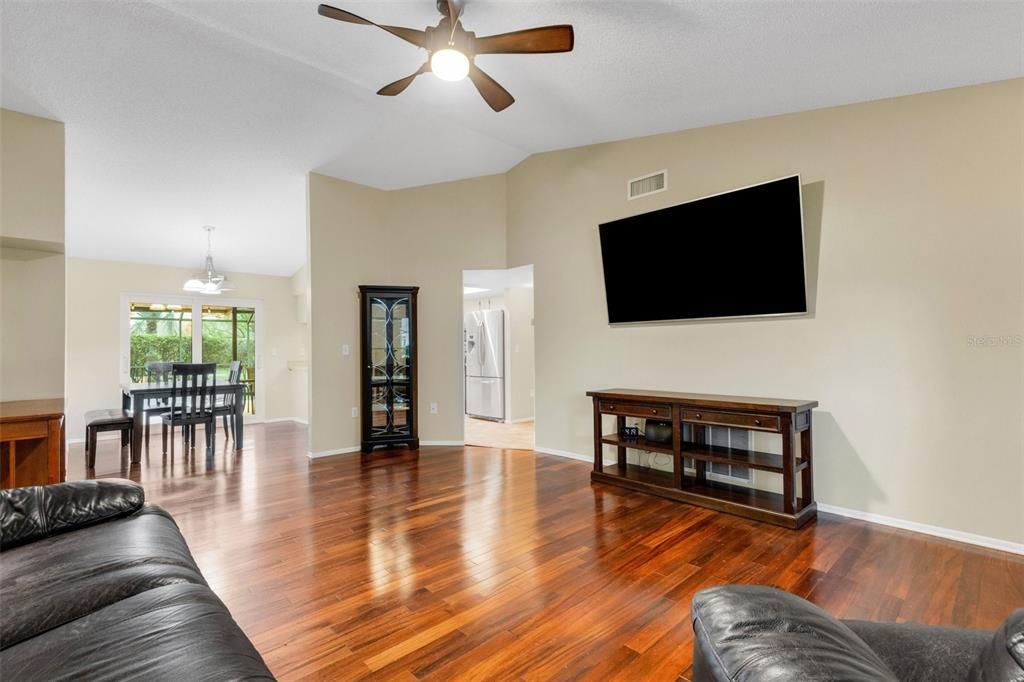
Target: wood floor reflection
{"points": [[477, 563]]}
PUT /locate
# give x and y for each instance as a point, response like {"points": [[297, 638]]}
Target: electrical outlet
{"points": [[355, 412], [345, 350], [532, 394], [433, 408]]}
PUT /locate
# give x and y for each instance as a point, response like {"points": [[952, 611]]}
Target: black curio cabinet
{"points": [[388, 358]]}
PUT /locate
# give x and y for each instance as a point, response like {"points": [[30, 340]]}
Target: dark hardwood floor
{"points": [[474, 563]]}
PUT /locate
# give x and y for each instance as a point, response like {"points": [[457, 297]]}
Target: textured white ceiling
{"points": [[181, 113]]}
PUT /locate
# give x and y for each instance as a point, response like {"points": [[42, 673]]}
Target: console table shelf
{"points": [[638, 474], [791, 419], [762, 461], [637, 444]]}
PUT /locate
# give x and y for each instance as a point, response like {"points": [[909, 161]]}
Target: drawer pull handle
{"points": [[611, 407], [654, 410], [757, 421], [697, 415]]}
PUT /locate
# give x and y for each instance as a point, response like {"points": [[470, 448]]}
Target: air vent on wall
{"points": [[648, 184]]}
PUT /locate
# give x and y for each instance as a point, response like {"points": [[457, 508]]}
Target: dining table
{"points": [[135, 397]]}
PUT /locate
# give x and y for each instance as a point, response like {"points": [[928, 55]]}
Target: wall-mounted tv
{"points": [[735, 254]]}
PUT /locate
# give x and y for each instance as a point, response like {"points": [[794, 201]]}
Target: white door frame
{"points": [[196, 303]]}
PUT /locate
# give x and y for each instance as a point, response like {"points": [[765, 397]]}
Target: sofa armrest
{"points": [[37, 512], [751, 632], [1003, 656]]}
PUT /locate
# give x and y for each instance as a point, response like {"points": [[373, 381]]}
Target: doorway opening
{"points": [[498, 357]]}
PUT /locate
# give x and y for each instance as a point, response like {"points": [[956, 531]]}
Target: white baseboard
{"points": [[332, 453], [563, 453], [100, 437], [249, 421], [356, 448], [937, 531]]}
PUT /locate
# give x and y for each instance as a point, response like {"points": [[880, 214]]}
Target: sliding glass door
{"points": [[183, 329], [229, 334]]}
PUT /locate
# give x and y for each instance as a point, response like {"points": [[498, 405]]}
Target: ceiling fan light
{"points": [[449, 64], [194, 285], [210, 289]]}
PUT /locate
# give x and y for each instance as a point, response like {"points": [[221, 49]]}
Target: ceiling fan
{"points": [[452, 49], [214, 283]]}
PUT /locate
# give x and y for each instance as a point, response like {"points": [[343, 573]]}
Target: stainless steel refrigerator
{"points": [[484, 347]]}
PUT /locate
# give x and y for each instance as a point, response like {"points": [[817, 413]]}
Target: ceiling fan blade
{"points": [[409, 35], [392, 89], [541, 40], [497, 97], [342, 15]]}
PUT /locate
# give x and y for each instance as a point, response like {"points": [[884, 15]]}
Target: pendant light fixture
{"points": [[214, 283]]}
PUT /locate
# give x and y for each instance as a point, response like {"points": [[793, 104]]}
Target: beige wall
{"points": [[94, 333], [519, 305], [299, 367], [914, 231], [914, 219], [31, 324], [420, 237], [31, 177], [31, 257]]}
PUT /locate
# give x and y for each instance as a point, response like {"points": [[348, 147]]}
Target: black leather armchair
{"points": [[753, 633], [95, 584]]}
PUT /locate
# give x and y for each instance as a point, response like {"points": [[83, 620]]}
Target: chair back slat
{"points": [[193, 387], [158, 372], [234, 374]]}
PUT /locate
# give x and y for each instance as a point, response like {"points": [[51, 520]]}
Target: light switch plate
{"points": [[345, 350], [433, 408], [355, 412]]}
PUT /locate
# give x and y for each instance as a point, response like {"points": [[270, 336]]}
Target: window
{"points": [[158, 333], [181, 329]]}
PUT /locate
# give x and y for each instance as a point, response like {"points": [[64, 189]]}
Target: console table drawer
{"points": [[761, 422], [636, 409]]}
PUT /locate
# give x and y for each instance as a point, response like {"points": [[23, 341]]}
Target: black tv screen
{"points": [[736, 254]]}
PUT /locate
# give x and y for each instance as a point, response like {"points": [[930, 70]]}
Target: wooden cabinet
{"points": [[691, 415], [31, 443], [388, 366]]}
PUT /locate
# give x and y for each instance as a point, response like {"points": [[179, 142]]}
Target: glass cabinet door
{"points": [[390, 364]]}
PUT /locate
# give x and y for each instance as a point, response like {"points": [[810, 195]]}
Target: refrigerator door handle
{"points": [[482, 356]]}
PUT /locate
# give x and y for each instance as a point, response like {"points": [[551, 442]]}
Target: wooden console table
{"points": [[789, 418], [31, 442]]}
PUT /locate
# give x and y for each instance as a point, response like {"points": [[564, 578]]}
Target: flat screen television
{"points": [[735, 254]]}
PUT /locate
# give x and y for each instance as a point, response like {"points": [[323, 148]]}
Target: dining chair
{"points": [[225, 405], [156, 373], [193, 387], [98, 421]]}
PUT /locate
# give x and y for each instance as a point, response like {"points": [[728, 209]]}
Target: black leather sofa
{"points": [[753, 633], [97, 585]]}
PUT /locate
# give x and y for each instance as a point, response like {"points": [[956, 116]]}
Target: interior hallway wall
{"points": [[420, 237]]}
